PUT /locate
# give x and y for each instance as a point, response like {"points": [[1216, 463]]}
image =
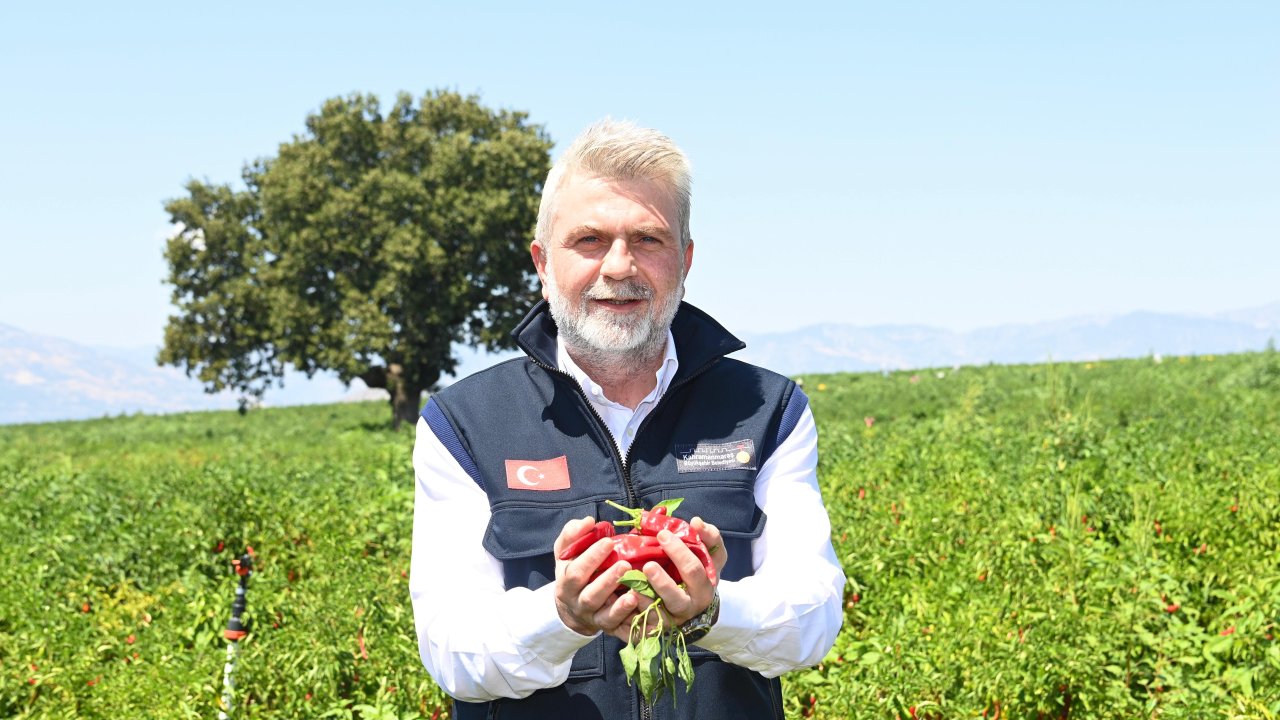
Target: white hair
{"points": [[621, 150]]}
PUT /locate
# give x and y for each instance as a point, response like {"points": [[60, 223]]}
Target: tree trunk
{"points": [[406, 396]]}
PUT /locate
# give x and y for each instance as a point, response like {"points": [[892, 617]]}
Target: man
{"points": [[625, 394]]}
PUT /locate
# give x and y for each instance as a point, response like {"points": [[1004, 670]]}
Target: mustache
{"points": [[622, 290]]}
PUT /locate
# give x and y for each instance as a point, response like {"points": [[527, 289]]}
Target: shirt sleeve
{"points": [[478, 640], [786, 615]]}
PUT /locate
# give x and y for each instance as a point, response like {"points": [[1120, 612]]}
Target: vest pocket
{"points": [[726, 502], [522, 535], [588, 662], [526, 530]]}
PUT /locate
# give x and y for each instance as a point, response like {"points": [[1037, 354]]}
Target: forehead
{"points": [[584, 198]]}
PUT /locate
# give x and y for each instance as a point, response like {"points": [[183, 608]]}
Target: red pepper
{"points": [[636, 551], [641, 545], [657, 520], [700, 551], [651, 522], [648, 523], [602, 529]]}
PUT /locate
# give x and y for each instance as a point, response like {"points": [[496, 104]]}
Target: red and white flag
{"points": [[550, 474]]}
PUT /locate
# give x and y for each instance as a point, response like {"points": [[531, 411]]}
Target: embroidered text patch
{"points": [[709, 457]]}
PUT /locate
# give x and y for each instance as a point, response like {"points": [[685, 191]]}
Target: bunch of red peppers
{"points": [[641, 545], [654, 659]]}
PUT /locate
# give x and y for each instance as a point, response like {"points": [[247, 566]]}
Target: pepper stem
{"points": [[635, 514]]}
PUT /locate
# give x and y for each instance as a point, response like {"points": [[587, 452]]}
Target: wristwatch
{"points": [[696, 627]]}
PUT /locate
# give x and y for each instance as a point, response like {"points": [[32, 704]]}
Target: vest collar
{"points": [[699, 338]]}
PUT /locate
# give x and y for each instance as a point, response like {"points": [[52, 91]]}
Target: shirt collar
{"points": [[665, 374]]}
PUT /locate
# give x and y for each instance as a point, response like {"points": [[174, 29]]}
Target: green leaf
{"points": [[1217, 645], [630, 660], [657, 676], [636, 580], [670, 505], [685, 670], [647, 651]]}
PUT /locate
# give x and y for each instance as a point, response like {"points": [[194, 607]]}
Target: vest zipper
{"points": [[644, 423], [646, 710], [619, 461]]}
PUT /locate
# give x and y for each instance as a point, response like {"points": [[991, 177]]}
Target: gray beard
{"points": [[610, 344]]}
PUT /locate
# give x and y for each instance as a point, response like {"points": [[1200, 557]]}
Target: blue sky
{"points": [[947, 164]]}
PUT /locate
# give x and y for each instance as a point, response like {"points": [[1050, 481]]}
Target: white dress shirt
{"points": [[481, 642], [621, 420]]}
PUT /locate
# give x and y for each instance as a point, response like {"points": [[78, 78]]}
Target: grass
{"points": [[1073, 540]]}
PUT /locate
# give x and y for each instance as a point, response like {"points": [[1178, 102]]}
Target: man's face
{"points": [[613, 271]]}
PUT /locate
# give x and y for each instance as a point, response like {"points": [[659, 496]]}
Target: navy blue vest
{"points": [[705, 441]]}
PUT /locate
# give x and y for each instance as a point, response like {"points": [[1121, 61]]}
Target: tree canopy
{"points": [[369, 245]]}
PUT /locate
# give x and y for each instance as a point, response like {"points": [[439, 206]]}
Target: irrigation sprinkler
{"points": [[236, 629]]}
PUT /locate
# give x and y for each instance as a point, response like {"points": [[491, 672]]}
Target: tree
{"points": [[369, 246]]}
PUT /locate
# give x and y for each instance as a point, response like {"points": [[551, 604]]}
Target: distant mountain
{"points": [[1266, 317], [838, 348], [45, 378]]}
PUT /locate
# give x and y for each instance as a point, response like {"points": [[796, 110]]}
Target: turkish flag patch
{"points": [[550, 474]]}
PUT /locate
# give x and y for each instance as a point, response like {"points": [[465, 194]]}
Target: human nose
{"points": [[618, 262]]}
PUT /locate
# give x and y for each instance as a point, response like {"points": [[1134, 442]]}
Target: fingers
{"points": [[578, 597], [577, 572], [714, 541], [588, 606], [680, 603], [638, 603], [585, 564], [595, 593], [618, 612], [571, 531]]}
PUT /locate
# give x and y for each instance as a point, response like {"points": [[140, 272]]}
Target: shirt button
{"points": [[631, 431]]}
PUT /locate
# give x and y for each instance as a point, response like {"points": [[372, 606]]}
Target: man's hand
{"points": [[588, 606], [711, 537], [681, 604]]}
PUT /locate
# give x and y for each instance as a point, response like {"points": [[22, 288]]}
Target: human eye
{"points": [[654, 240]]}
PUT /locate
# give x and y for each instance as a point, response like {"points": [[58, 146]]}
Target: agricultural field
{"points": [[1085, 541]]}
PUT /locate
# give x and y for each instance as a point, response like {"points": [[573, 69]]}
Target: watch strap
{"points": [[696, 627]]}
